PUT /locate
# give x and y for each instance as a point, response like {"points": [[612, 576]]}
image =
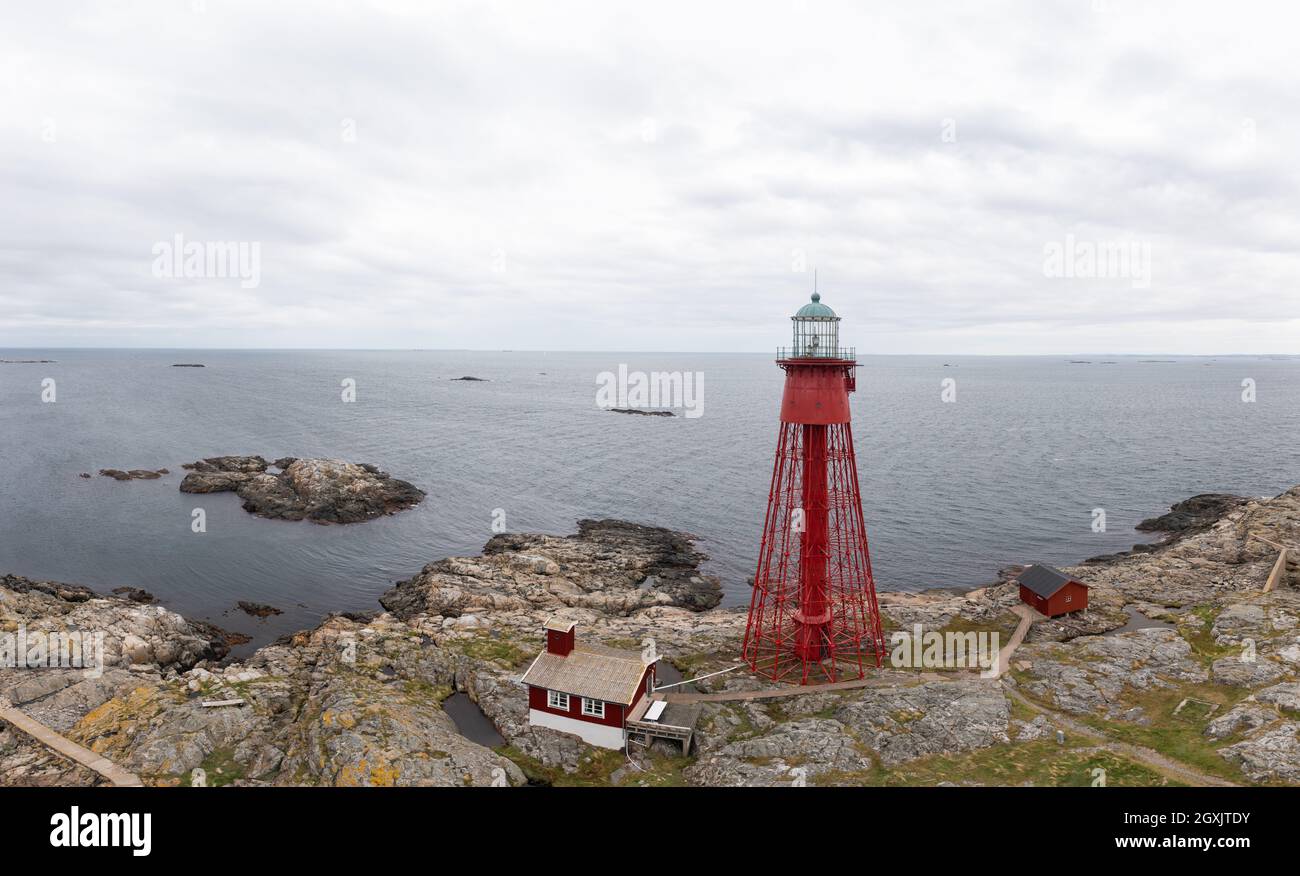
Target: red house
{"points": [[1051, 591], [585, 689]]}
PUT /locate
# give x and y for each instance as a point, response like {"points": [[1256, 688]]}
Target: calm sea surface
{"points": [[1010, 472]]}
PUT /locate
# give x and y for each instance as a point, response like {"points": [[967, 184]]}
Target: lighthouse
{"points": [[813, 616]]}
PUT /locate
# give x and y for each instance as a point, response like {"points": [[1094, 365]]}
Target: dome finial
{"points": [[817, 296]]}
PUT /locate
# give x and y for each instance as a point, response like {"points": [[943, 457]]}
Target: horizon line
{"points": [[1270, 354]]}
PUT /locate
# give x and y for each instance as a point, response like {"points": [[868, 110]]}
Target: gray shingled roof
{"points": [[1044, 580], [590, 670]]}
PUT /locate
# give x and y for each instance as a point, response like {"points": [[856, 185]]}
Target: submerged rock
{"points": [[135, 594], [1196, 513], [135, 474], [257, 609], [319, 490]]}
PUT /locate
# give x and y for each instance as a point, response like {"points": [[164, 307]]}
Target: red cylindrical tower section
{"points": [[816, 393], [814, 614]]}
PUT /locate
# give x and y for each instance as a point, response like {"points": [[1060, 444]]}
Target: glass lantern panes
{"points": [[816, 337]]}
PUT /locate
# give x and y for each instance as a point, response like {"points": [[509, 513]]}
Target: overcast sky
{"points": [[652, 176]]}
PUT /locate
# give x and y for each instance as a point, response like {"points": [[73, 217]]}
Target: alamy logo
{"points": [[920, 649], [113, 830], [657, 390], [70, 649], [214, 260], [1104, 260]]}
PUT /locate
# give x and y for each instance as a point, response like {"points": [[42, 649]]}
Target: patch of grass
{"points": [[1020, 711], [221, 769], [660, 771], [1004, 625], [746, 729], [595, 768], [503, 652], [421, 691], [1041, 762], [700, 663], [1199, 634], [534, 770], [1180, 738], [245, 689]]}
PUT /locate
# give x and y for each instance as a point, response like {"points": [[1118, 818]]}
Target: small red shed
{"points": [[584, 688], [1052, 592]]}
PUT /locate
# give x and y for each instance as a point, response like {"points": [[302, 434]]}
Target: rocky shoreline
{"points": [[1206, 681]]}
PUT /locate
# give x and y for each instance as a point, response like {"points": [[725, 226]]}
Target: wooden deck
{"points": [[676, 724]]}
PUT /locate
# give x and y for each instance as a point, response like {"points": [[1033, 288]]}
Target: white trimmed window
{"points": [[557, 700], [593, 708]]}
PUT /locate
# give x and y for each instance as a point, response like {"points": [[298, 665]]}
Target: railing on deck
{"points": [[804, 353]]}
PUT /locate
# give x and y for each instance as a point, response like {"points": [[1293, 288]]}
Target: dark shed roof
{"points": [[1044, 580]]}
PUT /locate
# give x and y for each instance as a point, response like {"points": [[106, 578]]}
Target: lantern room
{"points": [[816, 331]]}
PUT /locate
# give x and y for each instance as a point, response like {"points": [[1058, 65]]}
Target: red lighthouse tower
{"points": [[813, 615]]}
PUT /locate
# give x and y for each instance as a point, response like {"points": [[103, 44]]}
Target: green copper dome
{"points": [[815, 310]]}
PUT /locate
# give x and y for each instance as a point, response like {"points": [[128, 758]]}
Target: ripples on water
{"points": [[1009, 473]]}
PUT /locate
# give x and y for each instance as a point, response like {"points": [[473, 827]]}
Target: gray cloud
{"points": [[583, 175]]}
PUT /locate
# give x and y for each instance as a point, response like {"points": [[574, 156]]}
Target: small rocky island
{"points": [[1182, 671], [641, 412], [135, 474], [320, 490]]}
